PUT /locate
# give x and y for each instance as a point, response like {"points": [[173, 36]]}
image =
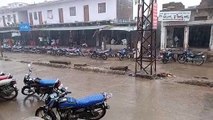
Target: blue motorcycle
{"points": [[39, 86], [125, 53], [167, 56], [99, 54], [92, 107], [189, 56]]}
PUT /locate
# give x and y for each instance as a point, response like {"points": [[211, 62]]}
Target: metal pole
{"points": [[1, 49]]}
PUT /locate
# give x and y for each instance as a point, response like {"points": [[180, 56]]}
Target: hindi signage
{"points": [[175, 16]]}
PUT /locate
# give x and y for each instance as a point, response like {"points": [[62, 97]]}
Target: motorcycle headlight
{"points": [[107, 95]]}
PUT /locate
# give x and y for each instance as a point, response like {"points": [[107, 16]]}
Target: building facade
{"points": [[13, 14], [196, 32], [72, 11], [71, 21], [68, 11], [172, 6]]}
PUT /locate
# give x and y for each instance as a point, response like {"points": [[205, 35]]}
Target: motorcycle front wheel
{"points": [[104, 57], [45, 114], [26, 90], [181, 59], [93, 56], [10, 93], [121, 57], [98, 113], [129, 56], [199, 62], [164, 61]]}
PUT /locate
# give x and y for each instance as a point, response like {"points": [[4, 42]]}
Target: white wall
{"points": [[135, 9], [22, 17], [211, 39], [6, 19], [1, 21], [93, 11]]}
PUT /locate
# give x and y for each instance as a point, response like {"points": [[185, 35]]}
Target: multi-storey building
{"points": [[173, 6], [193, 31], [68, 11], [13, 14], [69, 19]]}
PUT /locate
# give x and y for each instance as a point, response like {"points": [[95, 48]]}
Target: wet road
{"points": [[133, 99]]}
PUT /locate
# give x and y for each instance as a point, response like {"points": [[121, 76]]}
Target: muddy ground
{"points": [[133, 98]]}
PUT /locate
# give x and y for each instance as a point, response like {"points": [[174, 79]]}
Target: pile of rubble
{"points": [[165, 75]]}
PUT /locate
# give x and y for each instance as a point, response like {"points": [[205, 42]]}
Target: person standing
{"points": [[1, 50], [176, 41]]}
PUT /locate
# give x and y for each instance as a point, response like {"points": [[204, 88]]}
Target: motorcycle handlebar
{"points": [[63, 94]]}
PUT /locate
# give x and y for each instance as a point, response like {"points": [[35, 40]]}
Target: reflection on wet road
{"points": [[133, 99]]}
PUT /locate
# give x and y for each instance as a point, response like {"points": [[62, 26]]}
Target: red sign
{"points": [[155, 16]]}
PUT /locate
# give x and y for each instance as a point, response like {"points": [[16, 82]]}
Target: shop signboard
{"points": [[24, 27], [175, 16]]}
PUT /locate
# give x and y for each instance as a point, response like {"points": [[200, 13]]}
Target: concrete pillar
{"points": [[186, 38], [163, 37], [211, 39]]}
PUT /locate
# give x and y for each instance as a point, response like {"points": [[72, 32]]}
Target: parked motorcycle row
{"points": [[57, 103], [125, 53], [184, 57], [8, 89], [55, 51], [121, 54], [74, 51]]}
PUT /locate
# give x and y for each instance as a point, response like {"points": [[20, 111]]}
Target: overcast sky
{"points": [[185, 2]]}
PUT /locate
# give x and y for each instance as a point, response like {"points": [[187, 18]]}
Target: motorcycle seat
{"points": [[198, 54], [5, 81], [5, 77], [47, 83], [90, 100], [69, 102]]}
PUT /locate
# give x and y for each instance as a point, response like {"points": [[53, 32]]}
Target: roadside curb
{"points": [[82, 67], [33, 118], [197, 83], [100, 70], [46, 64]]}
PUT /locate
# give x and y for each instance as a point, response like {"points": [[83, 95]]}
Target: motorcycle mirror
{"points": [[29, 65]]}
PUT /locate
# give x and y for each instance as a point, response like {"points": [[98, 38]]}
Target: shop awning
{"points": [[121, 28], [70, 28], [8, 31], [101, 27]]}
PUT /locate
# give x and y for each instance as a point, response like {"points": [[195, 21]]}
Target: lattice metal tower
{"points": [[146, 55]]}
